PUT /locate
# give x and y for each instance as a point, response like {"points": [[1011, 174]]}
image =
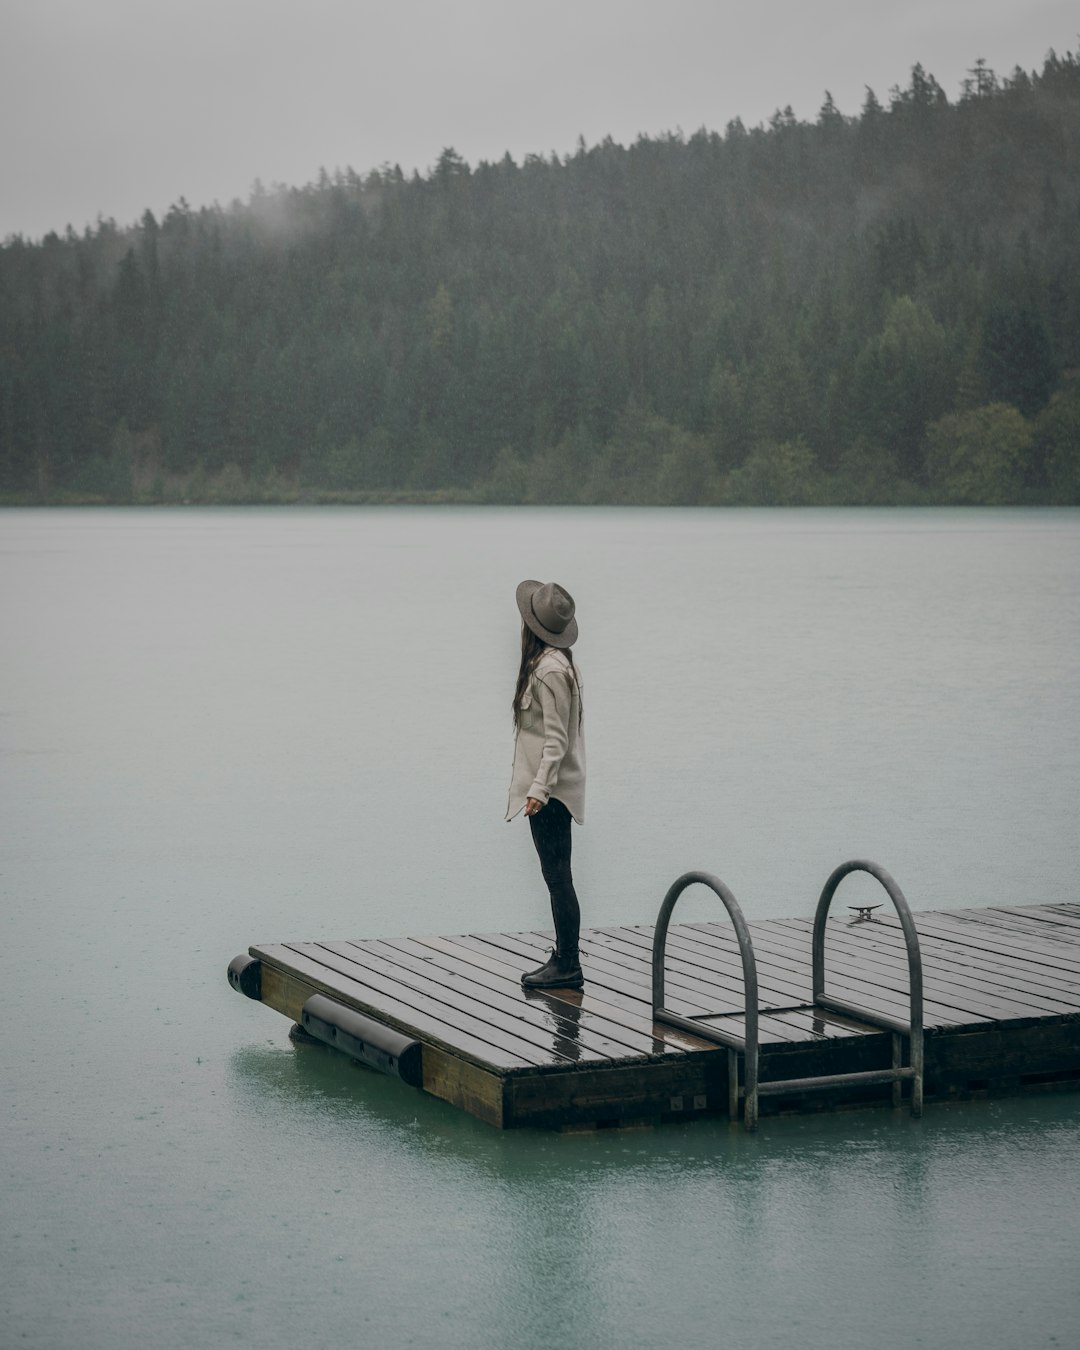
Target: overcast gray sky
{"points": [[110, 106]]}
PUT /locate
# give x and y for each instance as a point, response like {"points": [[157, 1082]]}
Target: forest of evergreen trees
{"points": [[882, 308]]}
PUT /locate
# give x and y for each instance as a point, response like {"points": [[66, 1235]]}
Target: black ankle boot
{"points": [[558, 972]]}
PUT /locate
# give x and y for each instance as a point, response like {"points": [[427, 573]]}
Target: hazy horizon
{"points": [[125, 107]]}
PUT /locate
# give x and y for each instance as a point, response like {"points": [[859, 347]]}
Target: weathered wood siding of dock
{"points": [[1002, 1011]]}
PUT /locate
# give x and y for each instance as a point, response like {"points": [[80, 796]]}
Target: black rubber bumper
{"points": [[245, 975], [363, 1039]]}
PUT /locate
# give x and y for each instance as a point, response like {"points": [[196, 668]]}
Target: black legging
{"points": [[551, 835]]}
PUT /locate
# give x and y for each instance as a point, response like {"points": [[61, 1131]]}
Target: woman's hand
{"points": [[532, 806]]}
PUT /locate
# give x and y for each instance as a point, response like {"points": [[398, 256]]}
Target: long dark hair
{"points": [[532, 648]]}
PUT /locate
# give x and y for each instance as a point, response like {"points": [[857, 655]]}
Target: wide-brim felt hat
{"points": [[548, 610]]}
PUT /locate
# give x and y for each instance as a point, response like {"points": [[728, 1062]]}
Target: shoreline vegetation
{"points": [[880, 309], [230, 488]]}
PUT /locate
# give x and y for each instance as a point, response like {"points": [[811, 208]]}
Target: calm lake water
{"points": [[222, 727]]}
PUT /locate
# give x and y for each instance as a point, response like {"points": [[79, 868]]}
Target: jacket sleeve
{"points": [[553, 692]]}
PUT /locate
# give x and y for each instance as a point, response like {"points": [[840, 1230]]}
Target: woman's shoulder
{"points": [[555, 662], [552, 659]]}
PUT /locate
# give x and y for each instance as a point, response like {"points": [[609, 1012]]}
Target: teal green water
{"points": [[226, 727]]}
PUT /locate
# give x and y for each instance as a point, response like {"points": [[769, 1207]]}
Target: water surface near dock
{"points": [[294, 724]]}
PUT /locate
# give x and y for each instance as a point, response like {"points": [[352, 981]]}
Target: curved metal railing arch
{"points": [[747, 1044], [914, 1029]]}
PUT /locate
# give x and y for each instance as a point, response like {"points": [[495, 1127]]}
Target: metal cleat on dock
{"points": [[863, 914]]}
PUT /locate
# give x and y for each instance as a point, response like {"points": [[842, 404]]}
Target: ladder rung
{"points": [[835, 1080], [702, 1029], [873, 1019]]}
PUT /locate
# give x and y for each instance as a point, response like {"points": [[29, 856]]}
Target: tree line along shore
{"points": [[860, 309]]}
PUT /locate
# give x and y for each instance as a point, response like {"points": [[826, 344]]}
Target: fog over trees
{"points": [[871, 309]]}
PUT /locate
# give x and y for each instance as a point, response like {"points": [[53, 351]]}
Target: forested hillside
{"points": [[873, 308]]}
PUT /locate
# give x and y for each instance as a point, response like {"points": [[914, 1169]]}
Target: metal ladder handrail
{"points": [[913, 1029], [748, 1043]]}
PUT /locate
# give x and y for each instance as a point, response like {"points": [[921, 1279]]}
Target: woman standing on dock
{"points": [[549, 763]]}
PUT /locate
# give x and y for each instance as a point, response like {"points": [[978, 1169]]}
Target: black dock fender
{"points": [[363, 1039], [245, 975]]}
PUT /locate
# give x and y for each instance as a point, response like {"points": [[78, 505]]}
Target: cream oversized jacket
{"points": [[549, 748]]}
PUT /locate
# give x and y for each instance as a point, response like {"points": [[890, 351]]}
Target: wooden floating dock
{"points": [[1001, 1012]]}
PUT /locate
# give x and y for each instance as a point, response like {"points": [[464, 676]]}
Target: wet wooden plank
{"points": [[867, 970], [1063, 926], [591, 1030], [953, 973], [853, 965], [1070, 912], [812, 1030], [776, 999], [424, 1023], [601, 971], [862, 985], [780, 980], [616, 982], [613, 977], [624, 963], [691, 978], [586, 1025], [778, 949], [1026, 929], [988, 938], [793, 1027], [699, 998], [997, 979], [700, 962], [779, 1019], [714, 993], [965, 938], [858, 943], [512, 1014], [1064, 911], [995, 969], [1065, 919], [481, 1021], [820, 1024], [974, 945], [633, 1008], [636, 975], [614, 1009], [616, 978]]}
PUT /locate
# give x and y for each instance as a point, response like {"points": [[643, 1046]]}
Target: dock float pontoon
{"points": [[728, 1017]]}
